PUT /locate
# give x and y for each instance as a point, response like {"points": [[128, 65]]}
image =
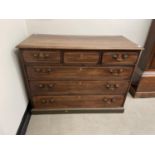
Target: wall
{"points": [[13, 99], [135, 30]]}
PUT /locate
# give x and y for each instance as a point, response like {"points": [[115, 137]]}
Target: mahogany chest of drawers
{"points": [[77, 73]]}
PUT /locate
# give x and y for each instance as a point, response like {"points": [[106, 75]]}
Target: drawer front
{"points": [[146, 84], [52, 56], [80, 73], [126, 58], [78, 87], [81, 57], [86, 101]]}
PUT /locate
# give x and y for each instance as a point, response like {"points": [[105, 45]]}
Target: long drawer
{"points": [[83, 101], [79, 73], [78, 87]]}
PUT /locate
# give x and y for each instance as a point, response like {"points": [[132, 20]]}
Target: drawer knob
{"points": [[50, 85], [46, 55], [109, 100], [37, 69], [114, 56], [116, 85], [43, 101], [116, 71], [120, 57], [51, 100], [49, 70], [121, 70], [40, 85], [105, 100], [125, 56], [35, 55], [41, 55], [112, 86]]}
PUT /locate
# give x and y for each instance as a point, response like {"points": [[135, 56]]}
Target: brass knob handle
{"points": [[43, 101], [51, 85], [40, 85], [41, 55], [116, 85], [121, 70], [46, 55], [105, 100], [35, 55], [49, 70], [125, 56], [116, 71], [108, 85], [112, 86], [51, 100], [37, 69], [114, 56]]}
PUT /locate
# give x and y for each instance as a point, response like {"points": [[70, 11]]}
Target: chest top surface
{"points": [[78, 42]]}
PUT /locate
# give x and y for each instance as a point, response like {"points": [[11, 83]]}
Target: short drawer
{"points": [[51, 56], [78, 57], [84, 101], [118, 58], [78, 87], [78, 73]]}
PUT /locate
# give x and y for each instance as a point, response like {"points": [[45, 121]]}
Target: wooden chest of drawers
{"points": [[77, 73]]}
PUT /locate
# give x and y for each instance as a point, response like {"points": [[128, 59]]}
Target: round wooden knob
{"points": [[46, 55], [125, 56], [111, 70], [108, 85], [41, 85], [105, 100], [116, 85], [37, 69], [41, 55], [114, 56], [121, 70], [43, 101], [51, 100], [49, 70], [50, 85], [35, 54]]}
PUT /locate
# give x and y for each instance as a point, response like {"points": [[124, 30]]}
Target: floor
{"points": [[138, 118]]}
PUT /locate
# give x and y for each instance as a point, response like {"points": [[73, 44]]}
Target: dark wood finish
{"points": [[78, 73], [73, 74], [78, 87], [40, 41], [81, 57], [83, 101], [77, 110], [143, 84], [52, 56], [118, 58]]}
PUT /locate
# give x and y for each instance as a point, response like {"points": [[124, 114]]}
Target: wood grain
{"points": [[84, 101], [78, 42]]}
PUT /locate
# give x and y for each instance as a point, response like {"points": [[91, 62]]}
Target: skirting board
{"points": [[25, 121]]}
